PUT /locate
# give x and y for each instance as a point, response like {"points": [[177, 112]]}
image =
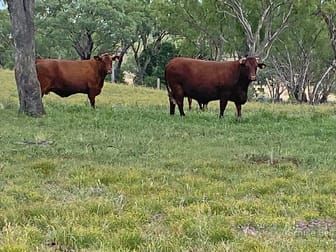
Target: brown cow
{"points": [[68, 77], [205, 81]]}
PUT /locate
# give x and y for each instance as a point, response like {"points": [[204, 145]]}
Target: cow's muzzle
{"points": [[253, 78], [109, 71]]}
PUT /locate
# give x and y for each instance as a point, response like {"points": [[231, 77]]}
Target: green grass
{"points": [[130, 177]]}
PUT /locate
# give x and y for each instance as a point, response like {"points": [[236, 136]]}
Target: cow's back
{"points": [[73, 71]]}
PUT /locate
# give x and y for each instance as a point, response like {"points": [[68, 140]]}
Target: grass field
{"points": [[130, 177]]}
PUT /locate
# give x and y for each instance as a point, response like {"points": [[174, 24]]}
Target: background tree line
{"points": [[296, 39]]}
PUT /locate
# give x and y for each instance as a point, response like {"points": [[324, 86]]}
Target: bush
{"points": [[151, 81]]}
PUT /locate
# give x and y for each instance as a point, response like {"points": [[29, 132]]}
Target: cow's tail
{"points": [[170, 93]]}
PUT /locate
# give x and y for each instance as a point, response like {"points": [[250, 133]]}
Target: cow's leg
{"points": [[189, 102], [238, 107], [176, 96], [179, 101], [172, 102], [42, 93], [172, 107], [200, 104], [92, 96], [45, 87], [222, 105]]}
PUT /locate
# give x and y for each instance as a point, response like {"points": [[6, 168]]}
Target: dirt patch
{"points": [[262, 159], [314, 227]]}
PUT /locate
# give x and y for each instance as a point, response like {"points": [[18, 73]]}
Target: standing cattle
{"points": [[205, 81], [68, 77]]}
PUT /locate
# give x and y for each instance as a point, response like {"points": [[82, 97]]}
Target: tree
{"points": [[262, 22], [200, 31], [145, 32], [86, 26], [156, 66], [301, 60], [327, 10], [144, 51], [22, 14]]}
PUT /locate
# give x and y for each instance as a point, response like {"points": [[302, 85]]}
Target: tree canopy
{"points": [[296, 38]]}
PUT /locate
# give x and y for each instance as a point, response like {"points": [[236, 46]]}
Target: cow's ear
{"points": [[242, 60], [261, 65], [115, 57], [97, 58]]}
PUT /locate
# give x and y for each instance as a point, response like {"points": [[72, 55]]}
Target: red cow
{"points": [[68, 77], [205, 81]]}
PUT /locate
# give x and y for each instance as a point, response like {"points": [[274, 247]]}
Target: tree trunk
{"points": [[83, 45], [22, 14], [117, 70]]}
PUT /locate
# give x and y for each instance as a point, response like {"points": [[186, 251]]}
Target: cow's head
{"points": [[251, 64], [107, 60]]}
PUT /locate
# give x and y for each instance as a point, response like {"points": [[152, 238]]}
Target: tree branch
{"points": [[236, 7], [317, 86], [260, 41]]}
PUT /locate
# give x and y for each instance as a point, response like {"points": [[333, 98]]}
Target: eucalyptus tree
{"points": [[327, 10], [303, 61], [261, 21], [294, 55], [22, 20]]}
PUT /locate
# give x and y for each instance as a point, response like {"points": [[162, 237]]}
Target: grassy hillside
{"points": [[130, 177]]}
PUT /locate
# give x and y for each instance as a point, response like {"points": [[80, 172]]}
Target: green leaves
{"points": [[6, 54], [74, 23]]}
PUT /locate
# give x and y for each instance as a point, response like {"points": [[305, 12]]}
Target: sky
{"points": [[2, 5]]}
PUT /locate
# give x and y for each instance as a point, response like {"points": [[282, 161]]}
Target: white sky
{"points": [[2, 5]]}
